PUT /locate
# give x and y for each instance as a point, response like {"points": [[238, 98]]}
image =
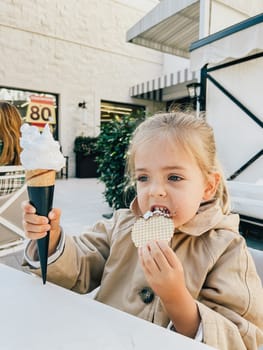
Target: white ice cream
{"points": [[40, 150]]}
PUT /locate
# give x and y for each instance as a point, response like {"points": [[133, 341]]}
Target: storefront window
{"points": [[36, 107], [109, 110]]}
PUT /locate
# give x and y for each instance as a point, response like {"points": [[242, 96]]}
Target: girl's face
{"points": [[169, 178]]}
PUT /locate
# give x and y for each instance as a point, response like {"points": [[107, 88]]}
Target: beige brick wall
{"points": [[78, 50]]}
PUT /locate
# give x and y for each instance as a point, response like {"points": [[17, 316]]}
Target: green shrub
{"points": [[111, 148]]}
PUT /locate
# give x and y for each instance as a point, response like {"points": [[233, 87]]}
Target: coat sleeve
{"points": [[81, 265], [230, 302]]}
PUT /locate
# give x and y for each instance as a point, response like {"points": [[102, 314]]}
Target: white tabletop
{"points": [[48, 317]]}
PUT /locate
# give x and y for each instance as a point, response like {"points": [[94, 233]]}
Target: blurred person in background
{"points": [[10, 123]]}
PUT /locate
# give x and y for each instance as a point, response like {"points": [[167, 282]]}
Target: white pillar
{"points": [[205, 17]]}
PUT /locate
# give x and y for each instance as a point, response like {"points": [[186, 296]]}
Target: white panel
{"points": [[236, 45], [238, 137]]}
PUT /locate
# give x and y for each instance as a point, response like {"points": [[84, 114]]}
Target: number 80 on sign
{"points": [[41, 110]]}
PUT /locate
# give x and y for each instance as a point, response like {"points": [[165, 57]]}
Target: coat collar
{"points": [[209, 216]]}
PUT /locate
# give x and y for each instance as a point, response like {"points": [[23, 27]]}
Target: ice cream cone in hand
{"points": [[41, 157]]}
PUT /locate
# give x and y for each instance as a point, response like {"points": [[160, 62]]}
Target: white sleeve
{"points": [[31, 254], [199, 333]]}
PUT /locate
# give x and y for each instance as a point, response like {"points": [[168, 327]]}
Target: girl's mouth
{"points": [[157, 210]]}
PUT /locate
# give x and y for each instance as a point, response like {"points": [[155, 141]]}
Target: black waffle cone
{"points": [[42, 199]]}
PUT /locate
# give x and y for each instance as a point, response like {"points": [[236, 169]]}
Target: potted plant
{"points": [[85, 149]]}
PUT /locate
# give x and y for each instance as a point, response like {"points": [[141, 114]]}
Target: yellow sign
{"points": [[41, 110]]}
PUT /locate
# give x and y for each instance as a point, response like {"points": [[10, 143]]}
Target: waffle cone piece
{"points": [[40, 177], [154, 228]]}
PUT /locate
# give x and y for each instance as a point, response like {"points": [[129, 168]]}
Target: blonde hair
{"points": [[191, 132], [10, 123]]}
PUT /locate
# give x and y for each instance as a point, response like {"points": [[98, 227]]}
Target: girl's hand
{"points": [[164, 273], [37, 226]]}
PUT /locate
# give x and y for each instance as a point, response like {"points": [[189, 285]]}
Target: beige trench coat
{"points": [[219, 273]]}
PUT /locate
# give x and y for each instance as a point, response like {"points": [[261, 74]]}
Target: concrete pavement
{"points": [[81, 201]]}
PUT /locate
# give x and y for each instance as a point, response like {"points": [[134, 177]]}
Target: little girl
{"points": [[203, 284]]}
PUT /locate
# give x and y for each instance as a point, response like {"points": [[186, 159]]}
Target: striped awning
{"points": [[165, 88], [169, 27]]}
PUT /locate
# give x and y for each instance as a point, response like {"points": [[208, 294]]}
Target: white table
{"points": [[48, 317]]}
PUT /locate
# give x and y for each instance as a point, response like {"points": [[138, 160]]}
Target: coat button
{"points": [[147, 295]]}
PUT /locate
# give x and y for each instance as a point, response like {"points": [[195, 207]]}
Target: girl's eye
{"points": [[174, 178], [142, 178]]}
